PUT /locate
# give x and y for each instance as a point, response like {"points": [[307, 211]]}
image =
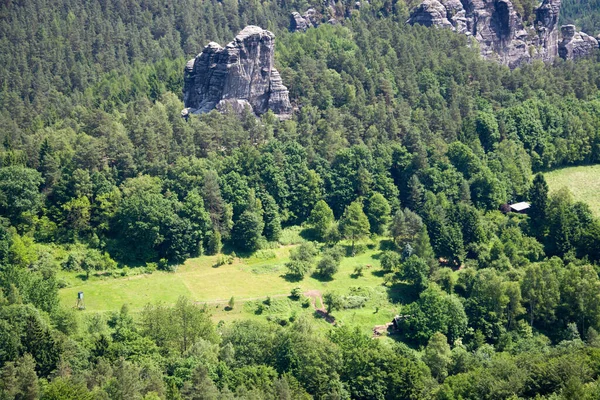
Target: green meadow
{"points": [[582, 181], [258, 284]]}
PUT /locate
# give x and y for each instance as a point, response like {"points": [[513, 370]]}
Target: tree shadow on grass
{"points": [[378, 273], [321, 278], [402, 293], [291, 278], [324, 315]]}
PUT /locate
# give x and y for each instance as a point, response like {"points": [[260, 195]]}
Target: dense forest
{"points": [[583, 13], [400, 132]]}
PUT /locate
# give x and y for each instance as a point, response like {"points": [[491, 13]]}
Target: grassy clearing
{"points": [[250, 280], [582, 181]]}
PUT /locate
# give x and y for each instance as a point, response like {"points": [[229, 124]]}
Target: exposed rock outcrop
{"points": [[313, 18], [575, 44], [500, 31], [300, 23], [238, 75], [430, 13]]}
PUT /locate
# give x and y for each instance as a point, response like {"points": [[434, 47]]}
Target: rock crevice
{"points": [[236, 76]]}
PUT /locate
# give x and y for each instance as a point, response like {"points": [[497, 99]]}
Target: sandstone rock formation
{"points": [[500, 31], [300, 23], [575, 44], [313, 18], [236, 76], [430, 13]]}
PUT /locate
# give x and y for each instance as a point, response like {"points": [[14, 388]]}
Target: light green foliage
{"points": [[354, 224], [405, 227], [302, 259], [438, 356], [333, 301], [415, 271], [61, 388], [390, 261]]}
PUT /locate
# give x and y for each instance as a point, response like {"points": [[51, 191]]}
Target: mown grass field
{"points": [[249, 280], [582, 181]]}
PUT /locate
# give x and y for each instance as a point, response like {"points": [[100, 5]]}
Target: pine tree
{"points": [[538, 213]]}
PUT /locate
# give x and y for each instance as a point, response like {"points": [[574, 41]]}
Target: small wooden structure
{"points": [[80, 304], [520, 207]]}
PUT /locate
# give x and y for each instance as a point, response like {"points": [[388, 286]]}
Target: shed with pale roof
{"points": [[521, 207]]}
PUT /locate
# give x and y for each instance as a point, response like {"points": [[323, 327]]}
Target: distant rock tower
{"points": [[236, 76]]}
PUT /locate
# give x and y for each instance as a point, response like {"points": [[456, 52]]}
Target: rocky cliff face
{"points": [[575, 44], [500, 31], [236, 76]]}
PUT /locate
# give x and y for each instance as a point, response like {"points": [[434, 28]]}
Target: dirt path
{"points": [[314, 295]]}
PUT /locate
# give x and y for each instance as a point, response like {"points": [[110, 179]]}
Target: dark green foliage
{"points": [[435, 311], [247, 231], [321, 217], [538, 197], [19, 192], [327, 266], [272, 229], [96, 165], [378, 211]]}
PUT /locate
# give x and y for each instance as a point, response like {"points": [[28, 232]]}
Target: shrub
{"points": [[296, 293], [151, 267], [301, 259], [327, 266], [358, 270], [306, 302], [354, 301], [163, 264]]}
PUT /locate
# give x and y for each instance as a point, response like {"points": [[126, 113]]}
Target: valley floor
{"points": [[258, 284]]}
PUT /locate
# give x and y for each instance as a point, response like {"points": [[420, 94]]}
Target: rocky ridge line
{"points": [[500, 31]]}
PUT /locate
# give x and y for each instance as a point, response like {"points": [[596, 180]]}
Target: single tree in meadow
{"points": [[354, 223]]}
